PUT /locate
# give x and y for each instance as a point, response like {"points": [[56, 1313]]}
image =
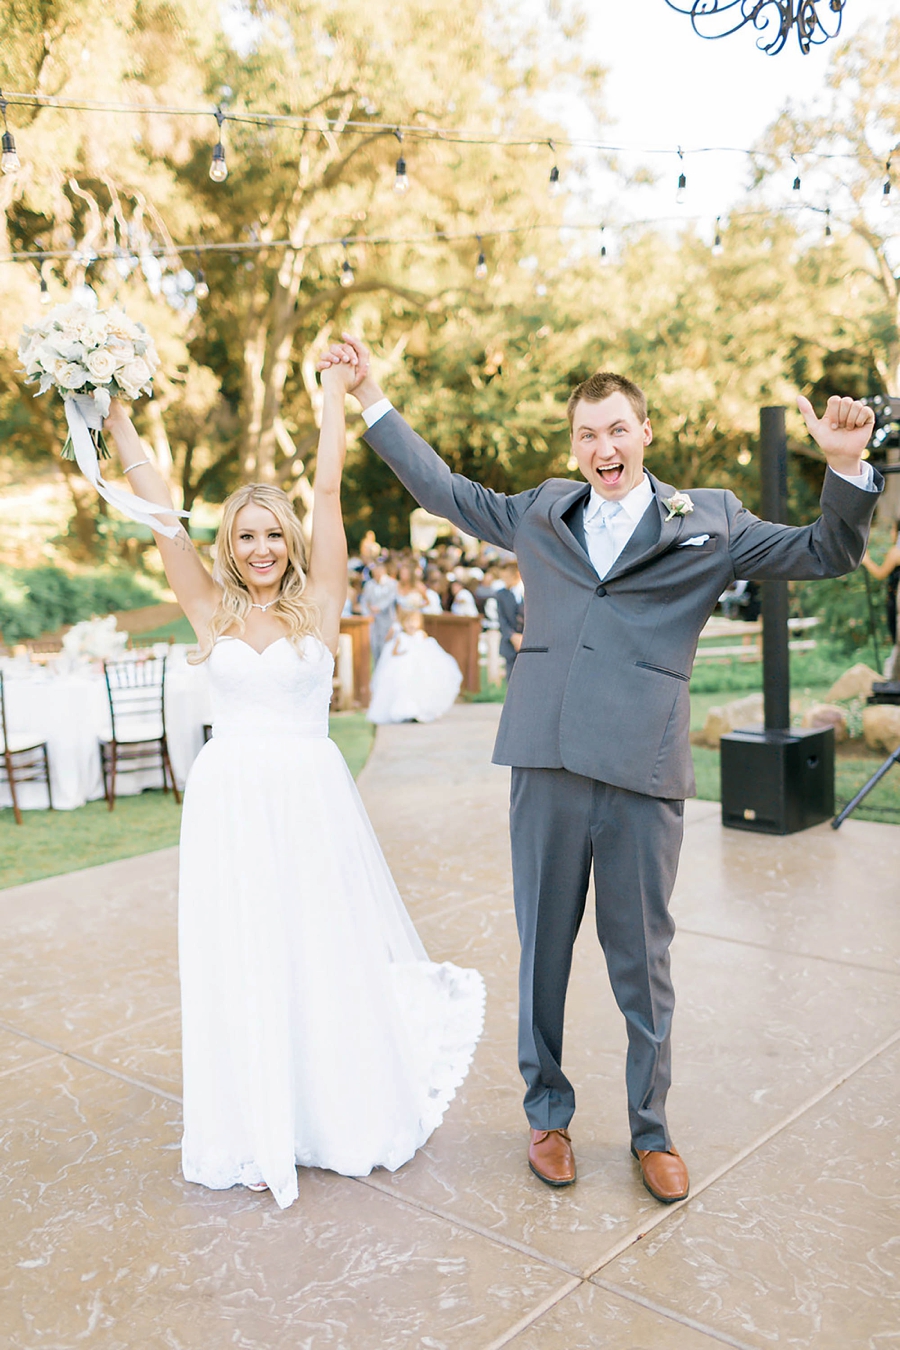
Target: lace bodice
{"points": [[276, 692]]}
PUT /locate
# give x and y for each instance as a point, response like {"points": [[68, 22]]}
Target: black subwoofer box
{"points": [[777, 782]]}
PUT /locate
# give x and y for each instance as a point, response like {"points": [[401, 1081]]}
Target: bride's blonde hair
{"points": [[298, 614]]}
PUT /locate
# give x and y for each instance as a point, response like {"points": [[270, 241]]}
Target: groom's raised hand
{"points": [[842, 434]]}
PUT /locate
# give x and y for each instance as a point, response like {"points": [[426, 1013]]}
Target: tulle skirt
{"points": [[417, 683], [315, 1029]]}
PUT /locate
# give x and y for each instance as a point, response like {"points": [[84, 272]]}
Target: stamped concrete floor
{"points": [[787, 1063]]}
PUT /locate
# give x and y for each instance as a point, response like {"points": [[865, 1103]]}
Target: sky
{"points": [[668, 87]]}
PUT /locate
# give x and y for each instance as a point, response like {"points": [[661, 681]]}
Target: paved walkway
{"points": [[787, 1065]]}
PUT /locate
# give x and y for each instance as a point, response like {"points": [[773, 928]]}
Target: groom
{"points": [[621, 572]]}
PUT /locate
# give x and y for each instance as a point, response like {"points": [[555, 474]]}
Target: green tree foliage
{"points": [[482, 367]]}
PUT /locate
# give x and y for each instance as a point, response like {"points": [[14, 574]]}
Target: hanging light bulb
{"points": [[45, 291], [9, 160], [604, 255], [886, 187], [347, 275], [218, 169], [682, 182], [554, 186], [795, 187], [717, 249], [201, 286], [481, 267], [829, 236], [401, 179]]}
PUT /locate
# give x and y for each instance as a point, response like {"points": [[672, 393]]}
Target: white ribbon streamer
{"points": [[83, 416]]}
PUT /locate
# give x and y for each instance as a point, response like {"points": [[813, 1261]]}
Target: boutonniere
{"points": [[679, 504]]}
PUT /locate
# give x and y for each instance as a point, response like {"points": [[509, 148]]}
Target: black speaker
{"points": [[777, 782]]}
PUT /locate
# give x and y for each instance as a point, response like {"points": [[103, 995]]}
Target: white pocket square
{"points": [[696, 541]]}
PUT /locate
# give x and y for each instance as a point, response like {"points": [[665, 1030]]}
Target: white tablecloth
{"points": [[71, 713]]}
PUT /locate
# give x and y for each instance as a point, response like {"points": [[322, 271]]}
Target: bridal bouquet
{"points": [[92, 355], [89, 354]]}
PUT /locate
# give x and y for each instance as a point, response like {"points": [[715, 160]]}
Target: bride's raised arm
{"points": [[328, 550], [194, 588]]}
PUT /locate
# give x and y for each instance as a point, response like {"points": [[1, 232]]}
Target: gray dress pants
{"points": [[561, 823]]}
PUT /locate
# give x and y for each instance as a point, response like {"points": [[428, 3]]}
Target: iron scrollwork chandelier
{"points": [[816, 21]]}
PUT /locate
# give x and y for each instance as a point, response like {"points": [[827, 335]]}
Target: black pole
{"points": [[776, 663], [873, 622]]}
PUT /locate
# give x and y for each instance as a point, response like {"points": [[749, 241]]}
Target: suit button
{"points": [[601, 590]]}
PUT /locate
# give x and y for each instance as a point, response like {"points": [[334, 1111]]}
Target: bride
{"points": [[315, 1031]]}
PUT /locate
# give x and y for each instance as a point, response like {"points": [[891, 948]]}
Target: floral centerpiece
{"points": [[95, 640], [91, 356]]}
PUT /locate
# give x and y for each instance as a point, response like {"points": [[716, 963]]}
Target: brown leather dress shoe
{"points": [[550, 1157], [664, 1174]]}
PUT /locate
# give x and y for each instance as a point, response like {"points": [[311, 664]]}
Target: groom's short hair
{"points": [[599, 386]]}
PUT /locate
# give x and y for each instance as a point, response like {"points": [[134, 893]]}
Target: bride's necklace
{"points": [[253, 605]]}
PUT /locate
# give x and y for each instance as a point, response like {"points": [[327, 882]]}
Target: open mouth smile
{"points": [[263, 566], [611, 473]]}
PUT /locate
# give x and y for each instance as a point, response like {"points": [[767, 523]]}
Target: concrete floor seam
{"points": [[697, 1189], [552, 1301], [83, 1059], [786, 951], [501, 1240], [662, 1311]]}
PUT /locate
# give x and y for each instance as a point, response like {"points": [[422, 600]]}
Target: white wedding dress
{"points": [[415, 680], [315, 1029]]}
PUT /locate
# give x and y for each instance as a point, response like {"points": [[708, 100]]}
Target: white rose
{"points": [[101, 365], [96, 331], [120, 326], [70, 375], [133, 377], [122, 352]]}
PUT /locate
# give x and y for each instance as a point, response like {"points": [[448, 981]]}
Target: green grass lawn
{"points": [[51, 842]]}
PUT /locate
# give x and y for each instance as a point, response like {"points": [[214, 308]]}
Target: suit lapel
{"points": [[654, 534], [567, 519]]}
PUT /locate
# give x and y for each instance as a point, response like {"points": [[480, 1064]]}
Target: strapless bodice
{"points": [[281, 691]]}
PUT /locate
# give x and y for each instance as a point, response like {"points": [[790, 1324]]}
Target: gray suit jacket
{"points": [[600, 686]]}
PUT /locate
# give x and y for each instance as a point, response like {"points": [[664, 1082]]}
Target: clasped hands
{"points": [[344, 365]]}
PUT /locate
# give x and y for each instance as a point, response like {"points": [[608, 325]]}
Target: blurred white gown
{"points": [[315, 1029], [415, 680]]}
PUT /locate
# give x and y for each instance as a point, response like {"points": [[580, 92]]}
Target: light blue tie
{"points": [[600, 533]]}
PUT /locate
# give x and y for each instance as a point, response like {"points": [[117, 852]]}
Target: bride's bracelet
{"points": [[135, 466]]}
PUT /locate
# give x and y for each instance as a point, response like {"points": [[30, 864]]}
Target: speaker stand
{"points": [[864, 791]]}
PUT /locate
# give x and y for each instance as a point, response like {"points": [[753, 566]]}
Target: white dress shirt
{"points": [[608, 525]]}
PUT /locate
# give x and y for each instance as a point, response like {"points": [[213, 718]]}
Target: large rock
{"points": [[881, 727], [822, 715], [740, 714], [854, 683]]}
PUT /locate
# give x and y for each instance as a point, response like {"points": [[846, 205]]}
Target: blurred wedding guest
{"points": [[411, 590], [511, 614], [889, 570], [486, 600], [415, 679], [369, 551], [354, 588], [378, 599], [438, 587], [462, 601]]}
